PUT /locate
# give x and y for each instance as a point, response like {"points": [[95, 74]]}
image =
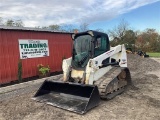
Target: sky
{"points": [[99, 14]]}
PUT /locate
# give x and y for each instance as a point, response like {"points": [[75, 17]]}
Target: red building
{"points": [[13, 40]]}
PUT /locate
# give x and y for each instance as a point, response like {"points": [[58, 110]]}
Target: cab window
{"points": [[100, 45]]}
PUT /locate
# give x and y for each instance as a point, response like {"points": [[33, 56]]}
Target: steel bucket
{"points": [[69, 96]]}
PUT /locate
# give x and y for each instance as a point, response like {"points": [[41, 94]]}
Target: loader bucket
{"points": [[70, 96]]}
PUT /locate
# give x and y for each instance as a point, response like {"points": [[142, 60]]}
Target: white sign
{"points": [[32, 48]]}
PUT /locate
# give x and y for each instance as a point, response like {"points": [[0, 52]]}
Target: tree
{"points": [[68, 28], [40, 27], [10, 22], [54, 27], [18, 23], [51, 27], [117, 33], [1, 21], [158, 44], [149, 41], [129, 39], [152, 38], [84, 27]]}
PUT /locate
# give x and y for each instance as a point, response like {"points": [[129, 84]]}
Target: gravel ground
{"points": [[134, 104]]}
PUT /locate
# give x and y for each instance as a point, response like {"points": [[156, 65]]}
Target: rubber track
{"points": [[103, 82]]}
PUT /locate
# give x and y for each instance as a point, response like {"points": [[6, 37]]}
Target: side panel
{"points": [[118, 53], [99, 73], [66, 68]]}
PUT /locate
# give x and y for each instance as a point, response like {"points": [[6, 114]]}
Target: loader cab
{"points": [[88, 45]]}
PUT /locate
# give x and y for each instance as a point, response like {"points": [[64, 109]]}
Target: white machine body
{"points": [[93, 69]]}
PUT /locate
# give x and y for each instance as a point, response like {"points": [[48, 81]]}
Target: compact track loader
{"points": [[94, 71]]}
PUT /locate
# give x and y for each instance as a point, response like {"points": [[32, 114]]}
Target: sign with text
{"points": [[32, 48]]}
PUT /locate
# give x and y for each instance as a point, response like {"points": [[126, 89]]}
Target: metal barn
{"points": [[24, 43]]}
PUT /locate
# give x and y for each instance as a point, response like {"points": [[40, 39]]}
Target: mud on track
{"points": [[142, 103]]}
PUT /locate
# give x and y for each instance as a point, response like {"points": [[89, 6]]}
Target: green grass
{"points": [[153, 54]]}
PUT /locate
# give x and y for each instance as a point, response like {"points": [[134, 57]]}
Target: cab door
{"points": [[101, 45]]}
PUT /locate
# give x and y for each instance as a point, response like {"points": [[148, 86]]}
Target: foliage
{"points": [[118, 32], [153, 54], [149, 41], [67, 28], [54, 27], [128, 39], [84, 27], [17, 23], [43, 70], [1, 21], [9, 22], [20, 70]]}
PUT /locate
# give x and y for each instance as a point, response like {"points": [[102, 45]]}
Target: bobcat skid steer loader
{"points": [[94, 71]]}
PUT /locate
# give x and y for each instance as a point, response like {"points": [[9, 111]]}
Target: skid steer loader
{"points": [[94, 71]]}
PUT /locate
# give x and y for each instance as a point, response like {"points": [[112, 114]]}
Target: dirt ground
{"points": [[142, 103]]}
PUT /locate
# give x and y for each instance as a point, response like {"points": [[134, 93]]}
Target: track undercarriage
{"points": [[113, 82]]}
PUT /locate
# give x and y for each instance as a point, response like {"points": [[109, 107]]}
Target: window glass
{"points": [[82, 48], [100, 45]]}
